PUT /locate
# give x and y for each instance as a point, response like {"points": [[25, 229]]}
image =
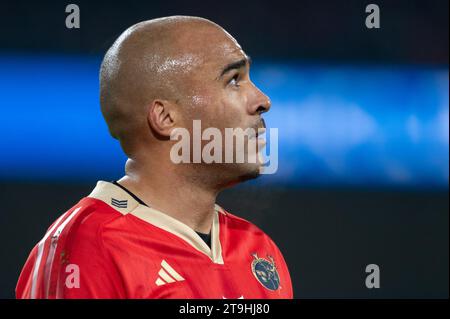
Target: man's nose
{"points": [[260, 102]]}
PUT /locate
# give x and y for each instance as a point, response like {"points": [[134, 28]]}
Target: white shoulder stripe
{"points": [[51, 253], [37, 264], [63, 224]]}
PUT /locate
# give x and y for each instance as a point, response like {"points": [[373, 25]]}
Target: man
{"points": [[157, 232]]}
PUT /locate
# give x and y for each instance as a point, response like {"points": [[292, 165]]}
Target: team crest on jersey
{"points": [[266, 272]]}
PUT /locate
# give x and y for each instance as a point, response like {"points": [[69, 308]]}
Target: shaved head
{"points": [[151, 60], [164, 74]]}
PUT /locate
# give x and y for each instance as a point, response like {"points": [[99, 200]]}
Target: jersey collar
{"points": [[124, 203]]}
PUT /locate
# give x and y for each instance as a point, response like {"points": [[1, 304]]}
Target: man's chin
{"points": [[255, 173], [248, 172]]}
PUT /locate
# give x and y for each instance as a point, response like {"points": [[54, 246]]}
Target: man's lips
{"points": [[261, 129], [263, 123], [255, 133]]}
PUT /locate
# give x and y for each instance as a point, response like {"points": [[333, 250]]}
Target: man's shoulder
{"points": [[84, 219], [93, 212], [243, 225], [244, 232]]}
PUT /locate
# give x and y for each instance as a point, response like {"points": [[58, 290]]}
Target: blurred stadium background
{"points": [[363, 119]]}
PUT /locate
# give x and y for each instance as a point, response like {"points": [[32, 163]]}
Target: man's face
{"points": [[219, 92]]}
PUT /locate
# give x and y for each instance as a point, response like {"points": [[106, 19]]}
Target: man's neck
{"points": [[170, 193]]}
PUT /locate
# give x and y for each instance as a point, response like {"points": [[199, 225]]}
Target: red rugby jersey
{"points": [[110, 246]]}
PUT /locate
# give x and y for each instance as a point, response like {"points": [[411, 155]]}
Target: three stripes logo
{"points": [[167, 275], [119, 203]]}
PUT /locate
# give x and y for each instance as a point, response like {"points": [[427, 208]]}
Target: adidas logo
{"points": [[119, 203], [167, 275]]}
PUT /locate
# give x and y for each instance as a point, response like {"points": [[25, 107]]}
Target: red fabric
{"points": [[119, 256]]}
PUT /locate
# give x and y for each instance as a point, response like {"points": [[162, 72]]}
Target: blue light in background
{"points": [[338, 125], [359, 125]]}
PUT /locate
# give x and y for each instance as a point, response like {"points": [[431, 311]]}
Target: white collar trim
{"points": [[124, 203]]}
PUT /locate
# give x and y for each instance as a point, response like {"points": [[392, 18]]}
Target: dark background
{"points": [[327, 234]]}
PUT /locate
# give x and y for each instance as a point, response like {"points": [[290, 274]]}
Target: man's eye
{"points": [[234, 80]]}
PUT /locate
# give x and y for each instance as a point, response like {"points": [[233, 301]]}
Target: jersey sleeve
{"points": [[283, 270], [89, 271], [71, 262]]}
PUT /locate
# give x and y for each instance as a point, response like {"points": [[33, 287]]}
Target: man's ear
{"points": [[161, 117]]}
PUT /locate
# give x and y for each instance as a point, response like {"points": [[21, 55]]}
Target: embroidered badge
{"points": [[266, 272]]}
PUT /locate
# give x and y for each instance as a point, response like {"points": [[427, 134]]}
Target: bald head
{"points": [[150, 60]]}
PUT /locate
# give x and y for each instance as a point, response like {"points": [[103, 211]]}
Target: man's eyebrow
{"points": [[235, 65]]}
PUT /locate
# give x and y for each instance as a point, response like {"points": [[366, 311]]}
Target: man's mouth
{"points": [[255, 133], [261, 129], [263, 123]]}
